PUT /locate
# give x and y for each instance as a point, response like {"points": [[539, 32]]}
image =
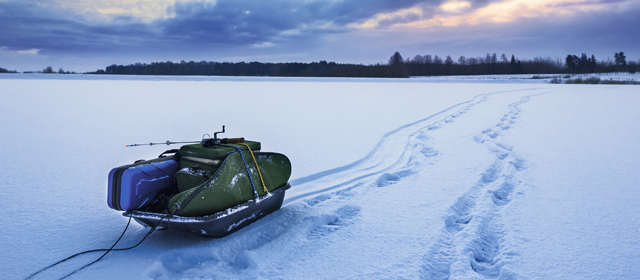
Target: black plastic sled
{"points": [[219, 224]]}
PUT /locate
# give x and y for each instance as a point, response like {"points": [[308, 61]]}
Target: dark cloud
{"points": [[242, 22], [227, 23], [28, 26], [249, 22]]}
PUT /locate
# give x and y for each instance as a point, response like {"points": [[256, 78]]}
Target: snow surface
{"points": [[511, 178]]}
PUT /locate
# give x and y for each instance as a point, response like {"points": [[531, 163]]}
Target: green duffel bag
{"points": [[189, 177], [198, 163], [231, 183]]}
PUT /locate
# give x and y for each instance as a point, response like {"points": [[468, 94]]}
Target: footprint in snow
{"points": [[492, 173], [484, 252], [500, 196], [318, 199], [328, 224], [388, 179], [429, 152], [519, 163]]}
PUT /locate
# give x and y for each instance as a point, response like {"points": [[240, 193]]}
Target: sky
{"points": [[84, 35]]}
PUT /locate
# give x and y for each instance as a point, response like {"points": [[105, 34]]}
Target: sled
{"points": [[211, 188], [219, 224]]}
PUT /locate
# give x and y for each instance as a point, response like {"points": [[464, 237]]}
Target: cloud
{"points": [[28, 26], [28, 52], [585, 3], [68, 26], [600, 32], [6, 51], [328, 29], [263, 45]]}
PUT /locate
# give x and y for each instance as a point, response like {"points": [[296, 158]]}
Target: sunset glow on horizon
{"points": [[455, 13]]}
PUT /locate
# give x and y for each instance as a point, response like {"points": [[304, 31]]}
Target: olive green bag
{"points": [[212, 179]]}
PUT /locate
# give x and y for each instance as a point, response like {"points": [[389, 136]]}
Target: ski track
{"points": [[377, 161], [469, 245]]}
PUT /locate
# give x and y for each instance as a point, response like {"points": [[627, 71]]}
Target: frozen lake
{"points": [[422, 178]]}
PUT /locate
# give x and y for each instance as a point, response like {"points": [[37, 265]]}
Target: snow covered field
{"points": [[465, 178]]}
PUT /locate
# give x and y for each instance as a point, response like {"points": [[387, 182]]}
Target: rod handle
{"points": [[233, 140]]}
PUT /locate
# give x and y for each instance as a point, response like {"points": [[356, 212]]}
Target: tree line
{"points": [[492, 64], [397, 66], [49, 70], [2, 70], [207, 68], [589, 64]]}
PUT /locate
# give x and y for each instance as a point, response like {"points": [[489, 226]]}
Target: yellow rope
{"points": [[259, 173]]}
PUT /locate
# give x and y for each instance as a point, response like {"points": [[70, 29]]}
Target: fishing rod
{"points": [[206, 141], [168, 143]]}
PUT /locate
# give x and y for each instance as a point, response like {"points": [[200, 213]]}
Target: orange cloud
{"points": [[454, 13]]}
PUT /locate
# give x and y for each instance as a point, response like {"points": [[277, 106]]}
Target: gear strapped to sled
{"points": [[200, 181]]}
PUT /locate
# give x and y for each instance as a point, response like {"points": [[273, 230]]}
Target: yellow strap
{"points": [[254, 161]]}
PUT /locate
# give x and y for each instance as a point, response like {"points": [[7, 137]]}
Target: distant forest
{"points": [[397, 66], [2, 70]]}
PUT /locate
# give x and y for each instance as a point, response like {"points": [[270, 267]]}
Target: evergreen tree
{"points": [[584, 61], [592, 64], [448, 60], [620, 59], [568, 62], [437, 60], [396, 59]]}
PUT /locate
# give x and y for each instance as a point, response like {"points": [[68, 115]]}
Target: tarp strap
{"points": [[257, 167], [255, 193]]}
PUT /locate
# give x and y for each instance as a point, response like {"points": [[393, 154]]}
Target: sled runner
{"points": [[218, 224], [211, 188]]}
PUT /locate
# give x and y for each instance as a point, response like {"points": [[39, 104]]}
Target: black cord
{"points": [[96, 250]]}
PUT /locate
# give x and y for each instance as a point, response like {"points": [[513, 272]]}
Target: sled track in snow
{"points": [[471, 244], [379, 160], [471, 220]]}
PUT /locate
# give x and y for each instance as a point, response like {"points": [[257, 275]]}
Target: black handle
{"points": [[172, 151]]}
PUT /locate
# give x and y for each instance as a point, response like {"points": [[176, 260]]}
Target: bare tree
{"points": [[418, 59], [462, 60], [504, 59], [428, 59]]}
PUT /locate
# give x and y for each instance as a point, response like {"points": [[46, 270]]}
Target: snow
{"points": [[425, 178]]}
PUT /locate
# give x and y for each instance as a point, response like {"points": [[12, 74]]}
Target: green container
{"points": [[228, 183], [198, 163]]}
